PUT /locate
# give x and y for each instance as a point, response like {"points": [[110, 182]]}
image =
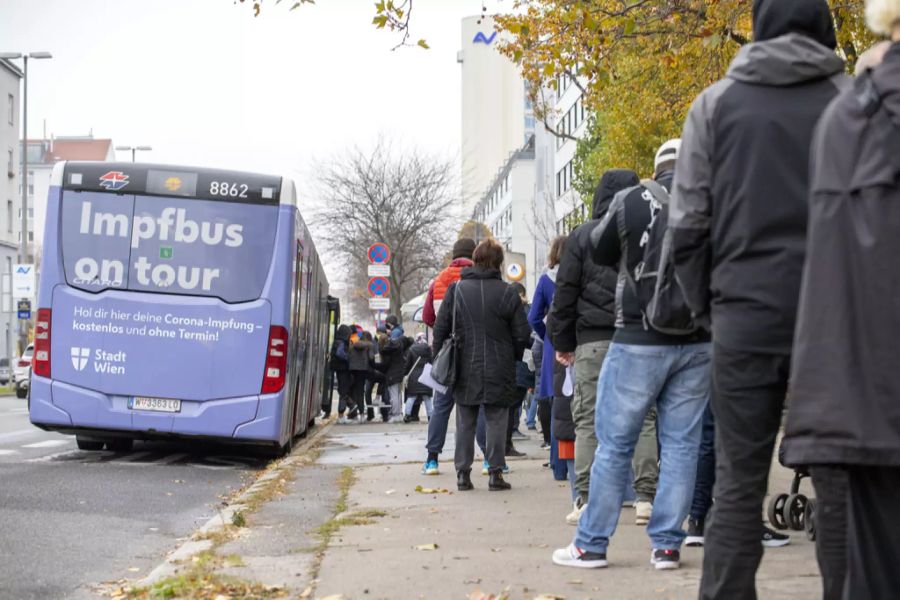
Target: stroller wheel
{"points": [[775, 511], [809, 519], [794, 512]]}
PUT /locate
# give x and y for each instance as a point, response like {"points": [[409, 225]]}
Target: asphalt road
{"points": [[71, 519]]}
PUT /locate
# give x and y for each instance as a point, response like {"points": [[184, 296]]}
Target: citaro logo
{"points": [[173, 184], [80, 358]]}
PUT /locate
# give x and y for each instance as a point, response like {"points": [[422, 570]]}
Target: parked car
{"points": [[5, 371], [23, 383], [22, 369]]}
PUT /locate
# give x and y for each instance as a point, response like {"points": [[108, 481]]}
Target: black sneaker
{"points": [[773, 539], [665, 560], [511, 451], [572, 556], [694, 533]]}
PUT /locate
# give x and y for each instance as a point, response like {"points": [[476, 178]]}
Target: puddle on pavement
{"points": [[353, 445]]}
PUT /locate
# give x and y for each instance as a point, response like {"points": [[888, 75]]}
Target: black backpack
{"points": [[655, 284]]}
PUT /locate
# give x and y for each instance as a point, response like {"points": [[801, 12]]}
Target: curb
{"points": [[190, 548]]}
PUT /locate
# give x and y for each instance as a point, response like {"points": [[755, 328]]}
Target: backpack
{"points": [[655, 284]]}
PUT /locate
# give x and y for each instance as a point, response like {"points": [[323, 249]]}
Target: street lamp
{"points": [[134, 150], [23, 246]]}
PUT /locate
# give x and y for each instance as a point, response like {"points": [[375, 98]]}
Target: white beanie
{"points": [[668, 151], [882, 15]]}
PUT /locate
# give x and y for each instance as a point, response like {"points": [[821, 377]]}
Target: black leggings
{"points": [[544, 418], [359, 390], [344, 385]]}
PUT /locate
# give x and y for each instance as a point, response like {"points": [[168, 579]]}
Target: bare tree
{"points": [[407, 199]]}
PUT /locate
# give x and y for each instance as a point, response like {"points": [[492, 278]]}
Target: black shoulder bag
{"points": [[443, 368]]}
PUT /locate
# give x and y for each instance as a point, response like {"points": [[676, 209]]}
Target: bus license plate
{"points": [[156, 404]]}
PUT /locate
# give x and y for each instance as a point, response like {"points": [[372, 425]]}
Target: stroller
{"points": [[793, 510]]}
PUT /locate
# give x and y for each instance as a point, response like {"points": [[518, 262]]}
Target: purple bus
{"points": [[177, 302]]}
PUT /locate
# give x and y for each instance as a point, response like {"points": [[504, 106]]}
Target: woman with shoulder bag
{"points": [[485, 315]]}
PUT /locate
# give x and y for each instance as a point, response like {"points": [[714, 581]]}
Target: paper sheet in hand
{"points": [[425, 379]]}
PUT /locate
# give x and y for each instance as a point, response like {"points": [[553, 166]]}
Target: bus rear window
{"points": [[167, 245]]}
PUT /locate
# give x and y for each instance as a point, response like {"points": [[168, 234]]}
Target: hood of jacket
{"points": [[343, 333], [552, 273], [775, 18], [887, 81], [461, 263], [612, 182], [790, 59], [480, 273]]}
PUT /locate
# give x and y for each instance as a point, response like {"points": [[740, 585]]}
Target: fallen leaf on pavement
{"points": [[133, 569], [307, 592], [576, 581], [549, 597], [426, 547], [425, 490], [334, 597]]}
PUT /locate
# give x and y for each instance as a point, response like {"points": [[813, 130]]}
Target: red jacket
{"points": [[439, 287]]}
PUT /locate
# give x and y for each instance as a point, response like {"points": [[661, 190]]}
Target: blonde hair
{"points": [[883, 15]]}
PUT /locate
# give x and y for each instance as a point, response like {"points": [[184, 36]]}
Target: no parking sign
{"points": [[379, 254], [379, 287]]}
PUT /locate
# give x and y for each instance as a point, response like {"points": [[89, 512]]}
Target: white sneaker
{"points": [[395, 420], [577, 508], [642, 512], [571, 556], [342, 420]]}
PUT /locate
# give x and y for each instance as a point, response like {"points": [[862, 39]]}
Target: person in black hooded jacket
{"points": [[738, 217], [581, 324]]}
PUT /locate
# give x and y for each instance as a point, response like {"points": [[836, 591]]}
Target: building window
{"points": [[12, 113], [11, 165], [9, 216], [30, 236]]}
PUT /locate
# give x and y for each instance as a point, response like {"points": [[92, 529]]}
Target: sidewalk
{"points": [[391, 542]]}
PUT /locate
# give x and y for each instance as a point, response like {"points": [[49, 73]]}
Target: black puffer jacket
{"points": [[340, 349], [493, 334], [563, 423], [393, 364], [361, 354], [845, 384], [584, 306], [417, 357]]}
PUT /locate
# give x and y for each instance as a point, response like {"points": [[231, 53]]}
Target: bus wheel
{"points": [[120, 445], [88, 443]]}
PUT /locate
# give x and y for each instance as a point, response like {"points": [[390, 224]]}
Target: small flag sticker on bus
{"points": [[114, 180], [165, 252]]}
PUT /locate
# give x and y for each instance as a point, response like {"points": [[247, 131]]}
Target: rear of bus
{"points": [[164, 303]]}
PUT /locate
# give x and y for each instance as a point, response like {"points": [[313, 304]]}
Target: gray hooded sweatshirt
{"points": [[739, 201]]}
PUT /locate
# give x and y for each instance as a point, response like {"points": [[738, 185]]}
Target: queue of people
{"points": [[379, 374], [663, 340]]}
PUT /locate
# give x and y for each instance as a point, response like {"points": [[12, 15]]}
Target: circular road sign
{"points": [[515, 272], [379, 254], [379, 287]]}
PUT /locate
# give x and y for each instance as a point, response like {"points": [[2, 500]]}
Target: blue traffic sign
{"points": [[379, 287], [24, 309], [379, 254]]}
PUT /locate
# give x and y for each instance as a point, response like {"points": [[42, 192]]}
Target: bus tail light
{"points": [[41, 360], [276, 360]]}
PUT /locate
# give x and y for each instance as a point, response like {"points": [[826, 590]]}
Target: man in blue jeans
{"points": [[644, 368]]}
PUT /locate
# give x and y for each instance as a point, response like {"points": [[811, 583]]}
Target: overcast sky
{"points": [[205, 83]]}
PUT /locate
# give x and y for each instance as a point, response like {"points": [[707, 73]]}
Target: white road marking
{"points": [[47, 444], [12, 435]]}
